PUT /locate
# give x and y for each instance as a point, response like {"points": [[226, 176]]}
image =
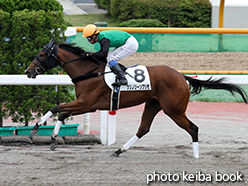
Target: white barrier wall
{"points": [[40, 80]]}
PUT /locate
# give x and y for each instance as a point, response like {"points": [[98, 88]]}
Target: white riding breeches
{"points": [[130, 47]]}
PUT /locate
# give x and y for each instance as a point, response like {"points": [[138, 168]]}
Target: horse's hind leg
{"points": [[182, 121], [152, 107]]}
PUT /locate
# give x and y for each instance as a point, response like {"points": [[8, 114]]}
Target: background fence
{"points": [[178, 39]]}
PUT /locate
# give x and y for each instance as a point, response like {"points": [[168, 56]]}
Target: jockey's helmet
{"points": [[90, 30]]}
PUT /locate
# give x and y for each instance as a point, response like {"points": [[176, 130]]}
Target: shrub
{"points": [[123, 10], [24, 29], [142, 23], [194, 13], [173, 13], [103, 4], [36, 5]]}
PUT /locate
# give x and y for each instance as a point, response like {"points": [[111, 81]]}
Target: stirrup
{"points": [[118, 83]]}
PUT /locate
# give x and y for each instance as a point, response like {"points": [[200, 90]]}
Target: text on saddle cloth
{"points": [[139, 81]]}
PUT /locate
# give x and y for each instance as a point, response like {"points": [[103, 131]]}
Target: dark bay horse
{"points": [[169, 92]]}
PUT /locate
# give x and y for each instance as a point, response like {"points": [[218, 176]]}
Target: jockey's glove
{"points": [[85, 54]]}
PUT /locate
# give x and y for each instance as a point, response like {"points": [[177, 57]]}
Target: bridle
{"points": [[51, 50]]}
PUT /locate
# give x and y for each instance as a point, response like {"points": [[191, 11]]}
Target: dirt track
{"points": [[227, 61], [166, 149]]}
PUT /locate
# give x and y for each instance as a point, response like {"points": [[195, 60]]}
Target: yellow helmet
{"points": [[90, 30]]}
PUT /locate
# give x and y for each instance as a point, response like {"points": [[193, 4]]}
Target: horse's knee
{"points": [[55, 109], [63, 116]]}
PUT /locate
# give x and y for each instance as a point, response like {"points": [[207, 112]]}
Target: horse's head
{"points": [[45, 60]]}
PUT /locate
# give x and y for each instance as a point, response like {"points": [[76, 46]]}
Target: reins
{"points": [[63, 63], [88, 75]]}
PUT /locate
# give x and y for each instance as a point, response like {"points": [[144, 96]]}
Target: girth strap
{"points": [[115, 99], [84, 77]]}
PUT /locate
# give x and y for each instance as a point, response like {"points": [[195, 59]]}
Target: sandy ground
{"points": [[224, 61], [166, 149], [165, 152]]}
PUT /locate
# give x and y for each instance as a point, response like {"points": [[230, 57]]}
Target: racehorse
{"points": [[170, 92]]}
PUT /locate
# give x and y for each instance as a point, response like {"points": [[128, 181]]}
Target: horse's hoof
{"points": [[53, 146], [114, 155], [33, 132], [53, 143]]}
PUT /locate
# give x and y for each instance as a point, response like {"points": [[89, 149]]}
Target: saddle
{"points": [[138, 80]]}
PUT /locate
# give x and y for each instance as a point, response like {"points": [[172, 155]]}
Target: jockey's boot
{"points": [[119, 72]]}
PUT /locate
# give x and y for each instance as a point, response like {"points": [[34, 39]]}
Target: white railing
{"points": [[65, 79], [39, 80]]}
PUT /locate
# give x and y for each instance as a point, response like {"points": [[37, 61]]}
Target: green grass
{"points": [[83, 20], [211, 95]]}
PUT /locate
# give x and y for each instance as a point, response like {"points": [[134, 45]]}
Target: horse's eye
{"points": [[42, 55]]}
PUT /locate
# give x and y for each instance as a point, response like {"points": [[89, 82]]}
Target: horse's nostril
{"points": [[38, 70], [28, 73]]}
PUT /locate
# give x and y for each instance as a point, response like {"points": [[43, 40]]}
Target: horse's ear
{"points": [[51, 43]]}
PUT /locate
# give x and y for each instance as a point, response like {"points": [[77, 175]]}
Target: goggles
{"points": [[90, 38]]}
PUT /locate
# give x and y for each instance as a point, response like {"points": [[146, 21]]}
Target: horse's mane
{"points": [[76, 50], [71, 48]]}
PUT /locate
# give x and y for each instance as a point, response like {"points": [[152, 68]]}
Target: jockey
{"points": [[125, 44]]}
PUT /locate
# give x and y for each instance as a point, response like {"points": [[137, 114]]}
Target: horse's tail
{"points": [[197, 86]]}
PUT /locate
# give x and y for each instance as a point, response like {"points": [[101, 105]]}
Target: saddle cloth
{"points": [[140, 79]]}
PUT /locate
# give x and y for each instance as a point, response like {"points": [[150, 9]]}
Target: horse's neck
{"points": [[75, 68]]}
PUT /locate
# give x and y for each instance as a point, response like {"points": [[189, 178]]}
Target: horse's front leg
{"points": [[39, 123], [55, 132], [43, 120], [67, 109], [73, 108]]}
